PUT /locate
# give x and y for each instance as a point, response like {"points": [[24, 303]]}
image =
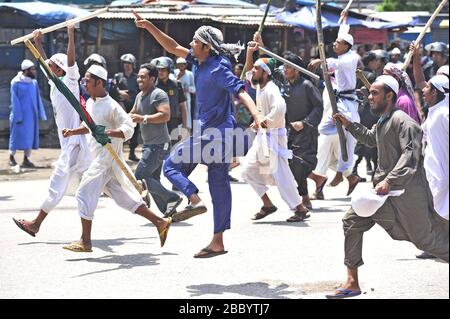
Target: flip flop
{"points": [[78, 248], [22, 225], [208, 253], [188, 212], [344, 293], [163, 233], [265, 211], [319, 190]]}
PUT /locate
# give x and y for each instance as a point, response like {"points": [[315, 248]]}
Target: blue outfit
{"points": [[215, 84], [26, 109]]}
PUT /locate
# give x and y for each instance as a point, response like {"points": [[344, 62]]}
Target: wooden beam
{"points": [[166, 31], [141, 46], [98, 43]]}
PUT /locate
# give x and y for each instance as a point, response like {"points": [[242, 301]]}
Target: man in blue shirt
{"points": [[215, 84]]}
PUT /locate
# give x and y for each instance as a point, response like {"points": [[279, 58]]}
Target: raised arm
{"points": [[70, 45], [419, 76], [169, 44], [37, 36]]}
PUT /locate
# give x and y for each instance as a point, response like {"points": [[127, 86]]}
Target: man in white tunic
{"points": [[344, 68], [259, 170], [75, 157], [104, 174], [436, 136]]}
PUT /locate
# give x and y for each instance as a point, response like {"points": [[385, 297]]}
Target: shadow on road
{"points": [[283, 223], [124, 262], [8, 197], [251, 289]]}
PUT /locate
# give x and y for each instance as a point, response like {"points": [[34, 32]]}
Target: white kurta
{"points": [[436, 159], [260, 171], [104, 174], [75, 156]]}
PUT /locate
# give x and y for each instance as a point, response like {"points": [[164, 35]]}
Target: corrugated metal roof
{"points": [[222, 14]]}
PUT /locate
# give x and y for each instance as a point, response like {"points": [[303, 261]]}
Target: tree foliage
{"points": [[408, 5]]}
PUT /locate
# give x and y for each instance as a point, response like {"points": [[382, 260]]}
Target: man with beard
{"points": [[27, 109], [260, 171], [409, 216]]}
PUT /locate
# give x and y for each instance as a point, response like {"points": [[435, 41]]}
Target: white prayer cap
{"points": [[99, 71], [443, 70], [440, 82], [347, 38], [60, 59], [181, 61], [389, 81], [396, 51], [366, 203], [26, 64]]}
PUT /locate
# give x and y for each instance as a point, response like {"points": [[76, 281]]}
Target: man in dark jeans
{"points": [[177, 99], [152, 111]]}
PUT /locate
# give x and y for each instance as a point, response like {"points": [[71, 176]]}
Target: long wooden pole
{"points": [[61, 25], [326, 76], [362, 77], [422, 34], [260, 30], [293, 65]]}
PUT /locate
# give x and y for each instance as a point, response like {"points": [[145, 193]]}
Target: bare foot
{"points": [[336, 180]]}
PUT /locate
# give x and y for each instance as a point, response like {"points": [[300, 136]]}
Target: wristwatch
{"points": [[145, 119]]}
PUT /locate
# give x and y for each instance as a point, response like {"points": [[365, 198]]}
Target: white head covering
{"points": [[443, 70], [181, 61], [344, 34], [26, 64], [99, 71], [60, 59], [366, 203], [396, 51], [389, 81], [440, 82], [213, 36]]}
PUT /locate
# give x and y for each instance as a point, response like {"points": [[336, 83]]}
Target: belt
{"points": [[346, 95]]}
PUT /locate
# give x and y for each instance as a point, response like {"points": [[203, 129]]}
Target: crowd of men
{"points": [[398, 123]]}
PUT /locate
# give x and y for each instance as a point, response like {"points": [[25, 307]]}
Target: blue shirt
{"points": [[215, 84]]}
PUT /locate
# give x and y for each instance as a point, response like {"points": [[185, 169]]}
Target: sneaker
{"points": [[425, 255], [172, 207], [12, 161], [26, 163], [190, 211]]}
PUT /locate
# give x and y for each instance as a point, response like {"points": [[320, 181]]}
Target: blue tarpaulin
{"points": [[45, 13], [305, 18]]}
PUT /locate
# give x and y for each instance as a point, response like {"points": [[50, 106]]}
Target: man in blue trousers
{"points": [[211, 144]]}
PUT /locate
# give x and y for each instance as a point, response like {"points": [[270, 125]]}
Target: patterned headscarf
{"points": [[213, 36], [267, 64], [401, 76]]}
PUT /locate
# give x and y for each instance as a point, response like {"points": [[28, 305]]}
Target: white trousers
{"points": [[91, 188], [67, 171], [260, 172], [329, 154]]}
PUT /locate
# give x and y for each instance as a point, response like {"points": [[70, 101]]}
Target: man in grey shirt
{"points": [[152, 110]]}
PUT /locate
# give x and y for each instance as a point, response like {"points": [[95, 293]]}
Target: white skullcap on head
{"points": [[396, 51], [389, 81], [60, 59], [98, 71], [440, 82], [443, 70], [26, 64], [181, 61]]}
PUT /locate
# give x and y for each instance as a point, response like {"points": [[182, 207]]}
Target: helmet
{"points": [[162, 62], [437, 47], [97, 58], [128, 58]]}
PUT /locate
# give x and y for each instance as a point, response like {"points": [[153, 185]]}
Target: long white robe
{"points": [[104, 174], [75, 155], [260, 171], [436, 160]]}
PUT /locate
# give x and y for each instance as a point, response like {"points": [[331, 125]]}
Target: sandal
{"points": [[265, 211], [298, 217]]}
